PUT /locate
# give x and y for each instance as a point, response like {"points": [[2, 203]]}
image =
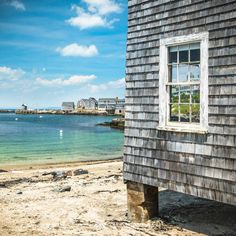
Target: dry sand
{"points": [[96, 205]]}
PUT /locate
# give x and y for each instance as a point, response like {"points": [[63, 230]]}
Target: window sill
{"points": [[194, 130]]}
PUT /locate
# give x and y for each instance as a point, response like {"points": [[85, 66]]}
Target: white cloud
{"points": [[103, 7], [73, 80], [120, 83], [95, 15], [76, 50], [18, 5], [7, 73], [87, 20]]}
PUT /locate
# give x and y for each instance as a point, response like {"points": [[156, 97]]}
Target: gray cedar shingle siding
{"points": [[196, 164]]}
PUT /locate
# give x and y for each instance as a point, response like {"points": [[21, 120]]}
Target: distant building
{"points": [[88, 104], [109, 104], [120, 106], [24, 107], [106, 103], [68, 106]]}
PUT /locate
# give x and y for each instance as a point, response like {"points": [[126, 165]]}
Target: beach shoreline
{"points": [[56, 164], [94, 202]]}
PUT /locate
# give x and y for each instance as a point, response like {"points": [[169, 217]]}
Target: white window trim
{"points": [[164, 124]]}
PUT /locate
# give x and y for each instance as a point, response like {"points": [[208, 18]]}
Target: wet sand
{"points": [[30, 204]]}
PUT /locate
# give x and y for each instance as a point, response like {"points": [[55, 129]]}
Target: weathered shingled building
{"points": [[180, 101], [67, 106]]}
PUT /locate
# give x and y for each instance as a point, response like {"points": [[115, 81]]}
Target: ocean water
{"points": [[26, 139]]}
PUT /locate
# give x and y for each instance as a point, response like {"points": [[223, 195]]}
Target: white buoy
{"points": [[16, 119], [40, 116], [61, 133]]}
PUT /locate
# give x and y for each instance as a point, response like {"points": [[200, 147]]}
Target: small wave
{"points": [[19, 157]]}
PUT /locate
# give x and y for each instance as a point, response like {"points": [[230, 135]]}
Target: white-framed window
{"points": [[183, 83]]}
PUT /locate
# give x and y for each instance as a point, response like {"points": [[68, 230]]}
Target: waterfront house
{"points": [[180, 129], [120, 106], [88, 104], [115, 105], [106, 103], [24, 107], [68, 106]]}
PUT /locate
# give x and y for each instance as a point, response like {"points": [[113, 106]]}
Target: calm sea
{"points": [[55, 138]]}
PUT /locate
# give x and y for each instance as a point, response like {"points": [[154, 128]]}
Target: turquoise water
{"points": [[56, 138]]}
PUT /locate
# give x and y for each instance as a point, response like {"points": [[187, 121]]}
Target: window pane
{"points": [[183, 73], [195, 55], [196, 94], [196, 113], [194, 46], [194, 72], [195, 52], [174, 112], [184, 113], [172, 57], [183, 53], [185, 94], [174, 94], [183, 56], [184, 47], [173, 73], [184, 66], [174, 49]]}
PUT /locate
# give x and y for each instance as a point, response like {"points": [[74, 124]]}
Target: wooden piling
{"points": [[142, 202]]}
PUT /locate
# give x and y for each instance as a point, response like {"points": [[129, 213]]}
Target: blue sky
{"points": [[61, 50]]}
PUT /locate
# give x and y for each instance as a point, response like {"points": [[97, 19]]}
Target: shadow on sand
{"points": [[197, 214]]}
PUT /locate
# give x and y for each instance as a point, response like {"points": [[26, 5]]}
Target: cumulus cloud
{"points": [[103, 7], [120, 83], [73, 80], [76, 50], [87, 20], [18, 5], [7, 73], [95, 15]]}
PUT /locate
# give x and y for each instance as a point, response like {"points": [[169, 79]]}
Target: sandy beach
{"points": [[34, 201]]}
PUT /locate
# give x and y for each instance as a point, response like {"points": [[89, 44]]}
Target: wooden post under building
{"points": [[142, 201]]}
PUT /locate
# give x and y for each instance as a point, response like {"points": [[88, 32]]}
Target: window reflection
{"points": [[184, 113], [184, 78], [194, 72], [183, 73], [174, 112], [185, 94], [173, 73], [174, 97], [195, 94], [196, 113]]}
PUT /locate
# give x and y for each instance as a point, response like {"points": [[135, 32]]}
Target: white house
{"points": [[88, 104], [68, 106]]}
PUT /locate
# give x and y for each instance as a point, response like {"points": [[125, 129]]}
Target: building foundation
{"points": [[142, 202]]}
